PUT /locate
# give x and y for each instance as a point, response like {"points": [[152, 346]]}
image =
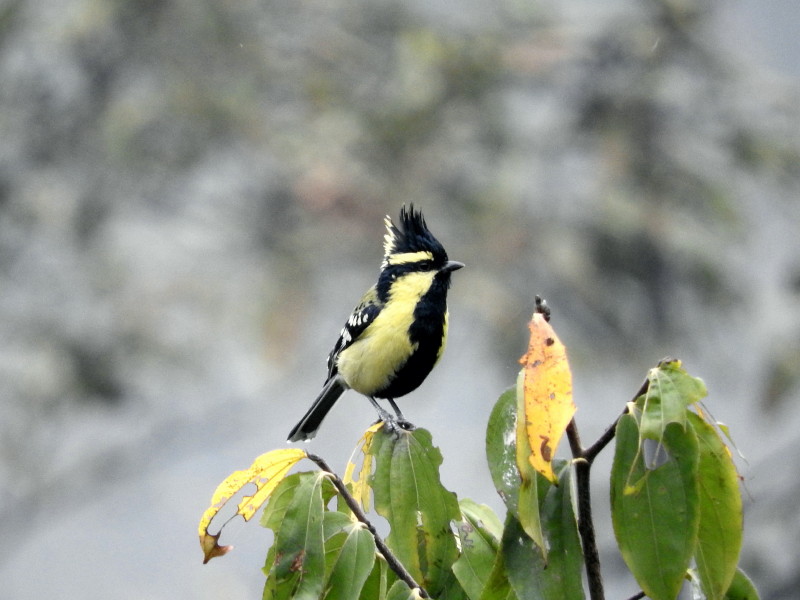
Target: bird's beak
{"points": [[451, 265]]}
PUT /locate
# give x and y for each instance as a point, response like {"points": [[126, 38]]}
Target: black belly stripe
{"points": [[426, 331]]}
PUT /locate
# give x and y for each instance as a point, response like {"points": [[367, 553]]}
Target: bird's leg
{"points": [[392, 423], [402, 422], [383, 414], [395, 408]]}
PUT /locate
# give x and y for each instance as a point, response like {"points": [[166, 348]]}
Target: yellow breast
{"points": [[370, 362]]}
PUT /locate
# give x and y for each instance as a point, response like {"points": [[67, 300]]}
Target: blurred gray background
{"points": [[191, 202]]}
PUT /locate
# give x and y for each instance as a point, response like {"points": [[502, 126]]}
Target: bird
{"points": [[397, 332]]}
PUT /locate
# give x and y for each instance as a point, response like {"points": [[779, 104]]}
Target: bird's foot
{"points": [[395, 426], [405, 424], [392, 423]]}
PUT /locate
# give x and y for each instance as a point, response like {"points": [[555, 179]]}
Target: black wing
{"points": [[359, 320]]}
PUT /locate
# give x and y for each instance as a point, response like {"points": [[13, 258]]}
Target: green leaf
{"points": [[451, 589], [354, 562], [520, 486], [656, 522], [298, 566], [334, 522], [483, 519], [670, 391], [279, 501], [498, 586], [376, 585], [501, 449], [533, 485], [529, 516], [720, 534], [524, 562], [410, 496], [274, 512], [741, 588], [479, 532], [565, 558], [400, 591], [559, 577]]}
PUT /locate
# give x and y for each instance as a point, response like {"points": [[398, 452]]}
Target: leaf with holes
{"points": [[670, 390], [266, 472], [656, 522], [479, 531]]}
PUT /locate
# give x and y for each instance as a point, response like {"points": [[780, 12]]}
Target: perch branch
{"points": [[391, 559], [583, 465]]}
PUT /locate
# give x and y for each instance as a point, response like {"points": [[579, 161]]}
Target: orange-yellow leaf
{"points": [[548, 394], [360, 489], [265, 473]]}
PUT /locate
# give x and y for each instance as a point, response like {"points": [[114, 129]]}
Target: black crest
{"points": [[411, 235]]}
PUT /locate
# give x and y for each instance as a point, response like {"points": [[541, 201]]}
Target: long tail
{"points": [[308, 425]]}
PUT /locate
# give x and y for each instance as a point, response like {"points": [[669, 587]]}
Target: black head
{"points": [[411, 248], [410, 242]]}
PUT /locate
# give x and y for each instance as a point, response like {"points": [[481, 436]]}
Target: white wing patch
{"points": [[358, 319]]}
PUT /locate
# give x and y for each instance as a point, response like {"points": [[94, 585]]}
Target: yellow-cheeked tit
{"points": [[397, 333]]}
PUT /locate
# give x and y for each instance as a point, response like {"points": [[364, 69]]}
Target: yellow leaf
{"points": [[548, 394], [265, 473], [360, 489]]}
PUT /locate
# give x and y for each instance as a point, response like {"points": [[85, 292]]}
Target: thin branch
{"points": [[637, 596], [391, 559], [592, 451], [591, 555], [574, 440], [583, 465]]}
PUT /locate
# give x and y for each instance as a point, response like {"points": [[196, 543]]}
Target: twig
{"points": [[391, 559], [637, 596], [592, 451], [583, 465], [591, 555]]}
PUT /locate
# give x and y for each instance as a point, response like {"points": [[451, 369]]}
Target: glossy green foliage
{"points": [[558, 577], [296, 568], [677, 514], [681, 505], [479, 532], [420, 511], [719, 538], [655, 512]]}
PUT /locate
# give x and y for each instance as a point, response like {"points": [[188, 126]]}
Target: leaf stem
{"points": [[391, 559]]}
